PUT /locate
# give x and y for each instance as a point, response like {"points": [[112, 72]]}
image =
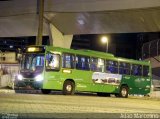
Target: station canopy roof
{"points": [[20, 17]]}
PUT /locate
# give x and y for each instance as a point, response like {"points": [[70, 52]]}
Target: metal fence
{"points": [[151, 49]]}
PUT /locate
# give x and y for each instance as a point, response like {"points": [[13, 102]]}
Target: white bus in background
{"points": [[9, 67]]}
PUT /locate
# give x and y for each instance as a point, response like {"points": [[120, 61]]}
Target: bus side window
{"points": [[145, 70], [111, 66], [82, 62], [100, 65], [52, 61], [124, 68], [136, 70], [68, 60], [94, 62]]}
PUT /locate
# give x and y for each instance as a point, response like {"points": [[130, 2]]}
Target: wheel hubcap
{"points": [[69, 87], [124, 92]]}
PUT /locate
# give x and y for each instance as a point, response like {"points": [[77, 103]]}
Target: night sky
{"points": [[125, 45]]}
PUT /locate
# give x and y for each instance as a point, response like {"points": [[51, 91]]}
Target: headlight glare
{"points": [[19, 77], [39, 78]]}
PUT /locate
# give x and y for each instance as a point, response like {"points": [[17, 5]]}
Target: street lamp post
{"points": [[104, 40]]}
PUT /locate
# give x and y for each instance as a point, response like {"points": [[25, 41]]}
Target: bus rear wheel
{"points": [[68, 88], [45, 91], [123, 92]]}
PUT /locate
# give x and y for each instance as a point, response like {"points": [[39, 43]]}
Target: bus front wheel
{"points": [[45, 91], [68, 88], [123, 91]]}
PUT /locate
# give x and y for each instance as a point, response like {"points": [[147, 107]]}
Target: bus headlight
{"points": [[39, 78], [19, 77]]}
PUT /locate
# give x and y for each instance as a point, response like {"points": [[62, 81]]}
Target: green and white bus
{"points": [[52, 68]]}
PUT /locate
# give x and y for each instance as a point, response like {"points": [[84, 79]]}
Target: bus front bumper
{"points": [[26, 84]]}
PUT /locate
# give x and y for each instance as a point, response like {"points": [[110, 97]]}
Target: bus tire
{"points": [[124, 91], [45, 91], [68, 87]]}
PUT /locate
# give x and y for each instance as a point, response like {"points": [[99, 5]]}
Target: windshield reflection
{"points": [[33, 62]]}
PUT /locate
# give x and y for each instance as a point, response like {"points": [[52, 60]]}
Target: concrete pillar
{"points": [[40, 25], [58, 39]]}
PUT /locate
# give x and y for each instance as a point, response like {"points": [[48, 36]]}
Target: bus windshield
{"points": [[33, 62]]}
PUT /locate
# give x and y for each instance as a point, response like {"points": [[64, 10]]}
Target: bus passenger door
{"points": [[52, 73]]}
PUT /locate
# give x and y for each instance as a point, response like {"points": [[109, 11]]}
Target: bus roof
{"points": [[142, 62], [82, 51], [98, 54]]}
